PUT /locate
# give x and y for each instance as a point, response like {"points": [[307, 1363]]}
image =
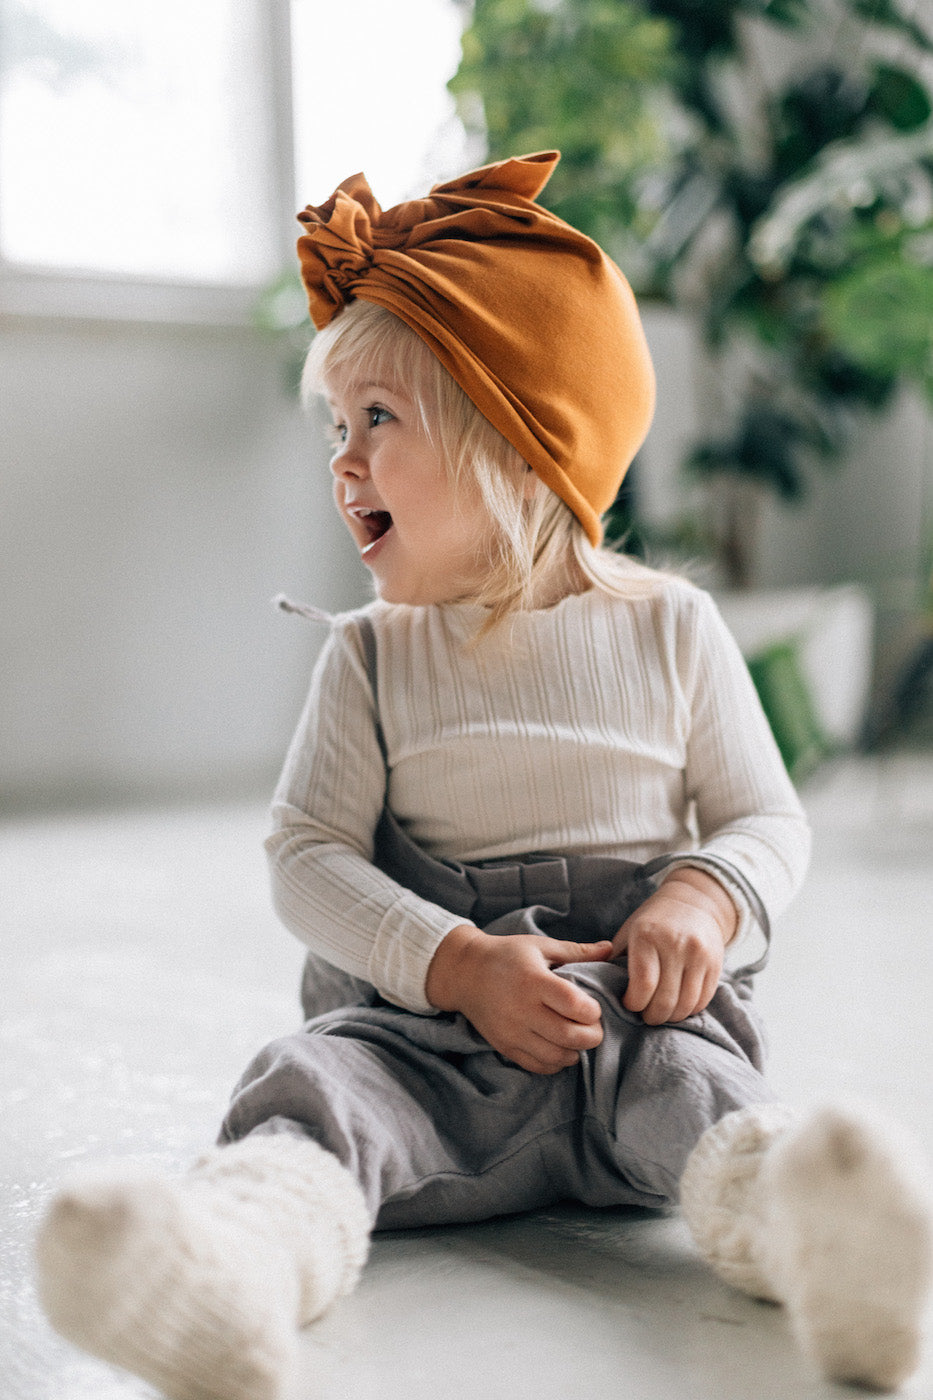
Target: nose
{"points": [[348, 461]]}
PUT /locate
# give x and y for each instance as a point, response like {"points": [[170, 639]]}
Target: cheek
{"points": [[476, 523]]}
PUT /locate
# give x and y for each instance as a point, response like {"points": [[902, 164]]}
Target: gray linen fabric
{"points": [[438, 1127]]}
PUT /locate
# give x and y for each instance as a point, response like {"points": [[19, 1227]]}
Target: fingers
{"points": [[644, 974], [553, 1042], [568, 1034], [558, 952], [567, 1022], [565, 952], [667, 991], [535, 1066], [541, 1057], [568, 1000], [690, 995]]}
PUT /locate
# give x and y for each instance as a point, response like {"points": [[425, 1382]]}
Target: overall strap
{"points": [[391, 836], [368, 639]]}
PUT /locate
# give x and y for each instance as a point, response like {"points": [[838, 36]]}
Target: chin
{"points": [[415, 594], [394, 594]]}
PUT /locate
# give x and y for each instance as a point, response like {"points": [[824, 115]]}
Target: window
{"points": [[142, 144], [147, 160], [370, 94]]}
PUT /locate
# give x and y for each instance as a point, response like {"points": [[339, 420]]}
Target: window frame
{"points": [[38, 292]]}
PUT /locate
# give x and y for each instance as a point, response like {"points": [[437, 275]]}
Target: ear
{"points": [[531, 484]]}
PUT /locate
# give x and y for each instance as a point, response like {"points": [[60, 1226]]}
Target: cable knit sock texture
{"points": [[197, 1284], [829, 1215], [720, 1197]]}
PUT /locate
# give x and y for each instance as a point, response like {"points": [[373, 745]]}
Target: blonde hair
{"points": [[538, 550]]}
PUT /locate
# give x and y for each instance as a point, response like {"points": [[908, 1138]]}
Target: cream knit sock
{"points": [[720, 1196], [830, 1216], [197, 1284]]}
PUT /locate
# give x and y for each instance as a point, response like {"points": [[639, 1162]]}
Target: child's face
{"points": [[422, 540]]}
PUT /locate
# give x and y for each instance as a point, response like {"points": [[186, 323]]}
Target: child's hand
{"points": [[675, 943], [506, 989]]}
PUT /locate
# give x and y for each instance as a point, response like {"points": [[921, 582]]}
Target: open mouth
{"points": [[376, 523]]}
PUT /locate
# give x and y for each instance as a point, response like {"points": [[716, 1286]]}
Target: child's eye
{"points": [[373, 415]]}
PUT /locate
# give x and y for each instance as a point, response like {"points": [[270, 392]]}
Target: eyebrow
{"points": [[360, 386], [366, 386]]}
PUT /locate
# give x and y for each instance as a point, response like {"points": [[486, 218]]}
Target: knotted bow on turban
{"points": [[537, 326]]}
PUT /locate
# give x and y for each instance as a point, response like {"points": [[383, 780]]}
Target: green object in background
{"points": [[785, 699], [786, 207]]}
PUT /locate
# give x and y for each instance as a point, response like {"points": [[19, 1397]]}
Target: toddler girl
{"points": [[532, 828]]}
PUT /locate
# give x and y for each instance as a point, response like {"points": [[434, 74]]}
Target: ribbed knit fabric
{"points": [[198, 1284], [601, 725]]}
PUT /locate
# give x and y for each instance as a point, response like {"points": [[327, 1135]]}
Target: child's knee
{"points": [[286, 1083]]}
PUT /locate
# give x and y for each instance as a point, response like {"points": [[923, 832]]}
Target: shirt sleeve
{"points": [[327, 805], [751, 827]]}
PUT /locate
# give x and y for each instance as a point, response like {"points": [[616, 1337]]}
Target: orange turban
{"points": [[537, 326]]}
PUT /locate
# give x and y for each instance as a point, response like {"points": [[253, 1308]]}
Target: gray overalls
{"points": [[438, 1127]]}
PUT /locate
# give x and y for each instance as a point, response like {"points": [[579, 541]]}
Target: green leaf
{"points": [[900, 98], [581, 76], [788, 704], [886, 13], [882, 315], [828, 104], [283, 305], [790, 13]]}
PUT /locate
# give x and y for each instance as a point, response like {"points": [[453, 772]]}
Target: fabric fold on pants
{"points": [[438, 1127]]}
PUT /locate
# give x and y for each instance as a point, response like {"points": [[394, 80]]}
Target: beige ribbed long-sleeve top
{"points": [[625, 727]]}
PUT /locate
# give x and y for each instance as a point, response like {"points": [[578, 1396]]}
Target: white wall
{"points": [[159, 486], [864, 519]]}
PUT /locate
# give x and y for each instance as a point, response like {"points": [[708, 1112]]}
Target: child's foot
{"points": [[830, 1216], [850, 1244], [720, 1196], [197, 1285], [128, 1273]]}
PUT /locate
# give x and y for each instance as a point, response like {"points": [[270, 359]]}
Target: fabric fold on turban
{"points": [[530, 317]]}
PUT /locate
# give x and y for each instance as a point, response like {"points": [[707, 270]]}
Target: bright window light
{"points": [[370, 94], [135, 139], [138, 137]]}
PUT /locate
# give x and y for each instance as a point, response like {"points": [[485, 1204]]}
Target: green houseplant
{"points": [[772, 208]]}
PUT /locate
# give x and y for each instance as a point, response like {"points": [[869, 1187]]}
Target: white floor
{"points": [[142, 966]]}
